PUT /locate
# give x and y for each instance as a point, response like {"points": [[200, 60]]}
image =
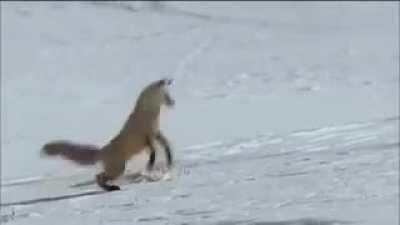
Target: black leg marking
{"points": [[111, 187], [152, 159], [107, 187], [163, 140], [102, 179]]}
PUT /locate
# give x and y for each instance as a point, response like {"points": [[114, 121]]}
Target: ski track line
{"points": [[23, 181], [149, 35], [51, 199], [215, 18], [189, 58]]}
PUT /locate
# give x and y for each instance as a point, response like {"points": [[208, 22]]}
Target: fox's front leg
{"points": [[167, 147], [152, 159]]}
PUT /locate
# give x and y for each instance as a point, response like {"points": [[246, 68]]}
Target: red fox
{"points": [[141, 131]]}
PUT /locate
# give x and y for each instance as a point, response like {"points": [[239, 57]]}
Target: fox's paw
{"points": [[111, 187], [101, 180]]}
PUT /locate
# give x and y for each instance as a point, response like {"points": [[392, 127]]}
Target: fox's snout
{"points": [[170, 102]]}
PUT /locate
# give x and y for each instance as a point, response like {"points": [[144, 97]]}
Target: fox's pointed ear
{"points": [[165, 82]]}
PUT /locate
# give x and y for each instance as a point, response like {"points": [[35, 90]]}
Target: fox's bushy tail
{"points": [[82, 154]]}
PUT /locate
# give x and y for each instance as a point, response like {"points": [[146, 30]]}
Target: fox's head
{"points": [[156, 94], [165, 97]]}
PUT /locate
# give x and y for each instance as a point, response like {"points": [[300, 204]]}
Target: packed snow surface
{"points": [[287, 113]]}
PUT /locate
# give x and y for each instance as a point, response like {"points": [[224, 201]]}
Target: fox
{"points": [[140, 132]]}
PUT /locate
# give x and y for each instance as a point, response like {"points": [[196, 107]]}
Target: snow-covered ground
{"points": [[287, 113]]}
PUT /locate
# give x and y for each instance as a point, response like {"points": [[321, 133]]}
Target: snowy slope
{"points": [[287, 113]]}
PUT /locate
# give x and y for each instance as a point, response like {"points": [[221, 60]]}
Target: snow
{"points": [[287, 113]]}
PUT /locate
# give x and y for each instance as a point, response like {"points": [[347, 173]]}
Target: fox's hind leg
{"points": [[112, 170], [102, 179]]}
